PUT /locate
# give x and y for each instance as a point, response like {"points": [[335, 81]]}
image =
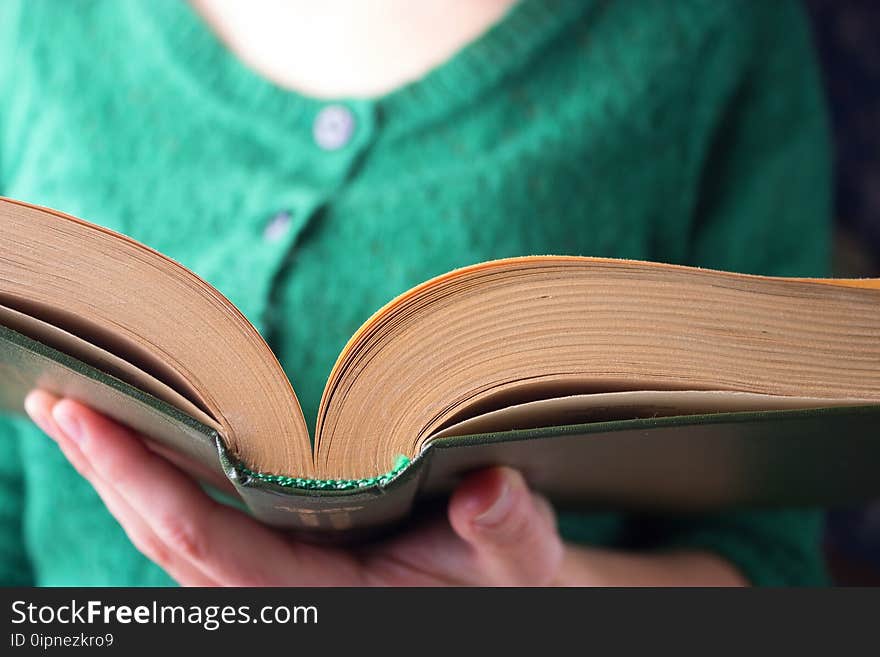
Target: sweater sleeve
{"points": [[764, 207], [763, 203], [14, 564]]}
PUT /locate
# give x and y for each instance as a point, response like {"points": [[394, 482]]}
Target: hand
{"points": [[497, 532]]}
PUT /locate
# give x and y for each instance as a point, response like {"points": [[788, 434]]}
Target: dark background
{"points": [[847, 36]]}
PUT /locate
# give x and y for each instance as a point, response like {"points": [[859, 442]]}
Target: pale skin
{"points": [[346, 48], [495, 531]]}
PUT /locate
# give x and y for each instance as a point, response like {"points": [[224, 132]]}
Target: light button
{"points": [[277, 226], [334, 127]]}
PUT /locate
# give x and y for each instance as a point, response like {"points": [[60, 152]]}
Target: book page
{"points": [[606, 407], [100, 359]]}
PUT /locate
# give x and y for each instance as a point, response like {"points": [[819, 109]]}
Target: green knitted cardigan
{"points": [[690, 132]]}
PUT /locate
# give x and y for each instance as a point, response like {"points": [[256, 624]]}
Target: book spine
{"points": [[323, 513]]}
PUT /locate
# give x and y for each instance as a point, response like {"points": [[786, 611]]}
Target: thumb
{"points": [[511, 531]]}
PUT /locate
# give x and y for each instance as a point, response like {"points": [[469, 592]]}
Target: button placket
{"points": [[280, 232]]}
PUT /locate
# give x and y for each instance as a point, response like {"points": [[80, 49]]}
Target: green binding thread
{"points": [[400, 463]]}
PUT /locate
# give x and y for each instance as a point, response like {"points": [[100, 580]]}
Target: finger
{"points": [[511, 530], [223, 543], [428, 553], [146, 541], [39, 406], [192, 467]]}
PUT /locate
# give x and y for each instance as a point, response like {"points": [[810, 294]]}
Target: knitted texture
{"points": [[688, 132]]}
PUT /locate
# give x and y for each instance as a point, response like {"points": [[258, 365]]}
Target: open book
{"points": [[608, 382]]}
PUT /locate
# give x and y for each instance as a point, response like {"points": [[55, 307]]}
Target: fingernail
{"points": [[39, 418], [68, 423], [498, 510]]}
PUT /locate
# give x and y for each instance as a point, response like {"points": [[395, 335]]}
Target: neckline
{"points": [[192, 46]]}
